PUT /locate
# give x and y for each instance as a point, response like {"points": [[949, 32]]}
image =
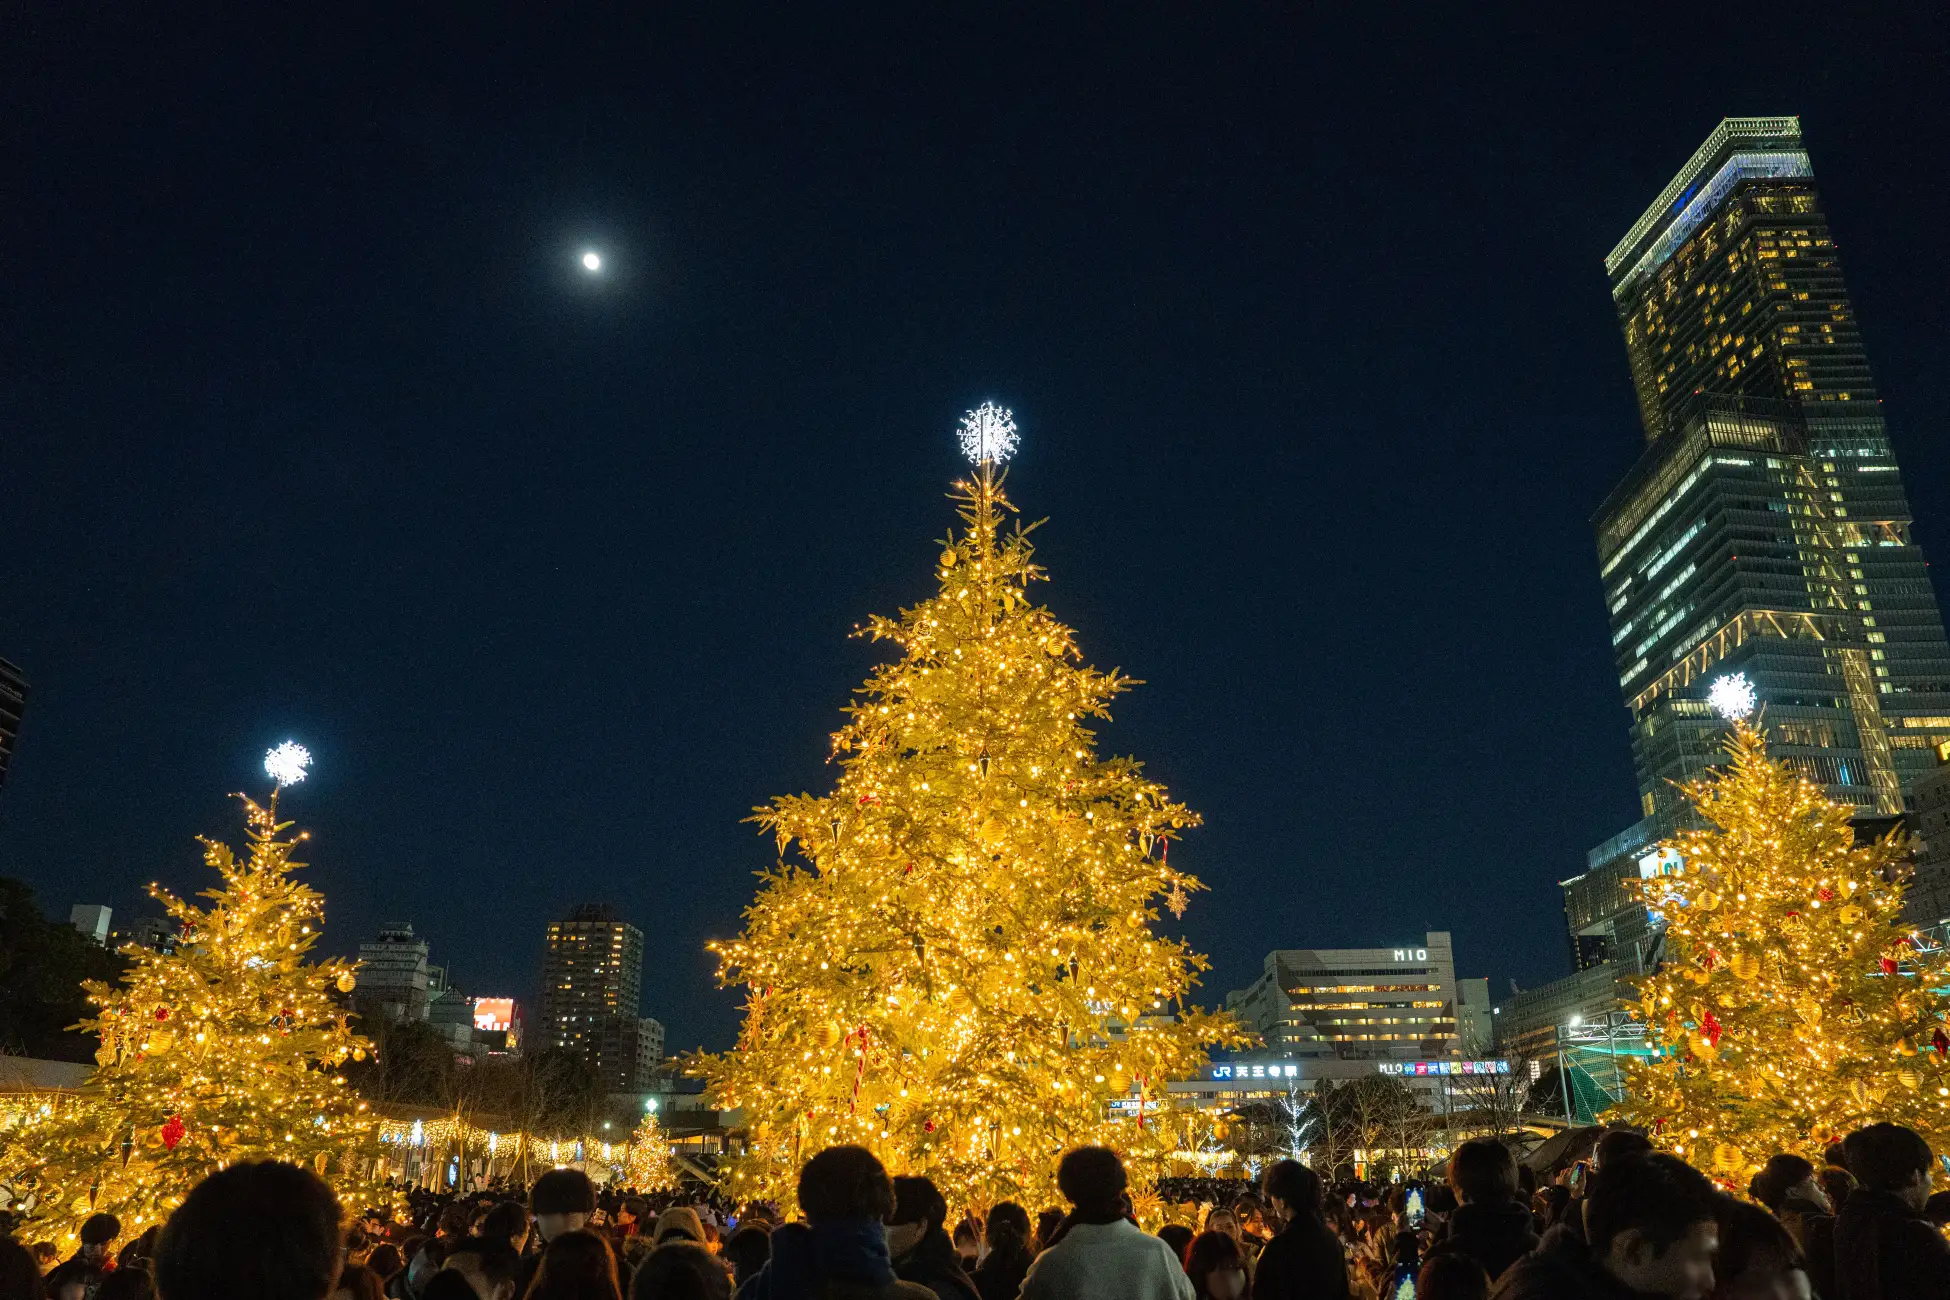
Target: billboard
{"points": [[494, 1014]]}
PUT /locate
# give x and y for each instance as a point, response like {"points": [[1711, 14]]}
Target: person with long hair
{"points": [[576, 1265], [999, 1277], [1217, 1267]]}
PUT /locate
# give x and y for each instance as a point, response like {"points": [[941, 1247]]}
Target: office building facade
{"points": [[1764, 530], [1356, 1004], [592, 983]]}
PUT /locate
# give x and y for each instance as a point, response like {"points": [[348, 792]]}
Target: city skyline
{"points": [[553, 571]]}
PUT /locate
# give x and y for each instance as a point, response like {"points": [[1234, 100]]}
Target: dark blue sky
{"points": [[310, 427]]}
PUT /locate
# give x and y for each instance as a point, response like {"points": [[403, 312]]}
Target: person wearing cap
{"points": [[82, 1273]]}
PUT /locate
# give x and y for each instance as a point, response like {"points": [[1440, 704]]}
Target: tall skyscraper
{"points": [[13, 703], [592, 981], [1764, 530]]}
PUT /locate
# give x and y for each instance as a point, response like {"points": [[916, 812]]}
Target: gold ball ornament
{"points": [[347, 982], [1809, 1010], [828, 1035], [1746, 966], [160, 1041], [1909, 1079], [1708, 900], [948, 558], [1727, 1157]]}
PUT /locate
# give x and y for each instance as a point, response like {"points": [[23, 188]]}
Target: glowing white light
{"points": [[287, 763], [1732, 696], [988, 433], [592, 262]]}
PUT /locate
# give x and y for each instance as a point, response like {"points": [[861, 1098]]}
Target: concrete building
{"points": [[592, 982], [649, 1050], [92, 919], [1475, 1021], [393, 974], [1532, 1024], [1356, 1004], [157, 933]]}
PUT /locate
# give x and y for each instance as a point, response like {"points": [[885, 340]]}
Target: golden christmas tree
{"points": [[1793, 1004], [648, 1166], [954, 963], [225, 1049]]}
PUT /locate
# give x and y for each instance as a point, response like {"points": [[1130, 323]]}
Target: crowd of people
{"points": [[1629, 1222]]}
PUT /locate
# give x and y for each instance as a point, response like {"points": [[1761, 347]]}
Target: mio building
{"points": [[1356, 1004]]}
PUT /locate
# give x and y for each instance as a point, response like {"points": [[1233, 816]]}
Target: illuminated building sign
{"points": [[497, 1016], [1417, 1068], [1660, 862], [1411, 954], [1238, 1070]]}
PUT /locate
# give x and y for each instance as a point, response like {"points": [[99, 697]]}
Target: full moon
{"points": [[591, 262]]}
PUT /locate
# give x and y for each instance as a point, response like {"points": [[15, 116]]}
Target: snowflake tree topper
{"points": [[988, 434], [1732, 696]]}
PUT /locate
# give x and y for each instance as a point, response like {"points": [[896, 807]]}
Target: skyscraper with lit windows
{"points": [[592, 982], [1764, 529]]}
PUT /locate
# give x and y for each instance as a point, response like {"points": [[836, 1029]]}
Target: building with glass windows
{"points": [[1355, 1004], [592, 982], [1764, 529]]}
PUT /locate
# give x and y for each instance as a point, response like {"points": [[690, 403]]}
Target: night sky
{"points": [[311, 426]]}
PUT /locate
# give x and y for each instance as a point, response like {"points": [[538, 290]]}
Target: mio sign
{"points": [[1411, 954]]}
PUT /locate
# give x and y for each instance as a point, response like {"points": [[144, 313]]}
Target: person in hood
{"points": [[922, 1251], [1650, 1230], [840, 1251], [1490, 1225]]}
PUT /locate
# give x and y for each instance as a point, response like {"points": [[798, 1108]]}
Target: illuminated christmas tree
{"points": [[223, 1050], [648, 1166], [954, 963], [1793, 1004]]}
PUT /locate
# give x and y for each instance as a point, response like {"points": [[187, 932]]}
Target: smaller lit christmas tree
{"points": [[649, 1167], [225, 1049], [1793, 1004]]}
